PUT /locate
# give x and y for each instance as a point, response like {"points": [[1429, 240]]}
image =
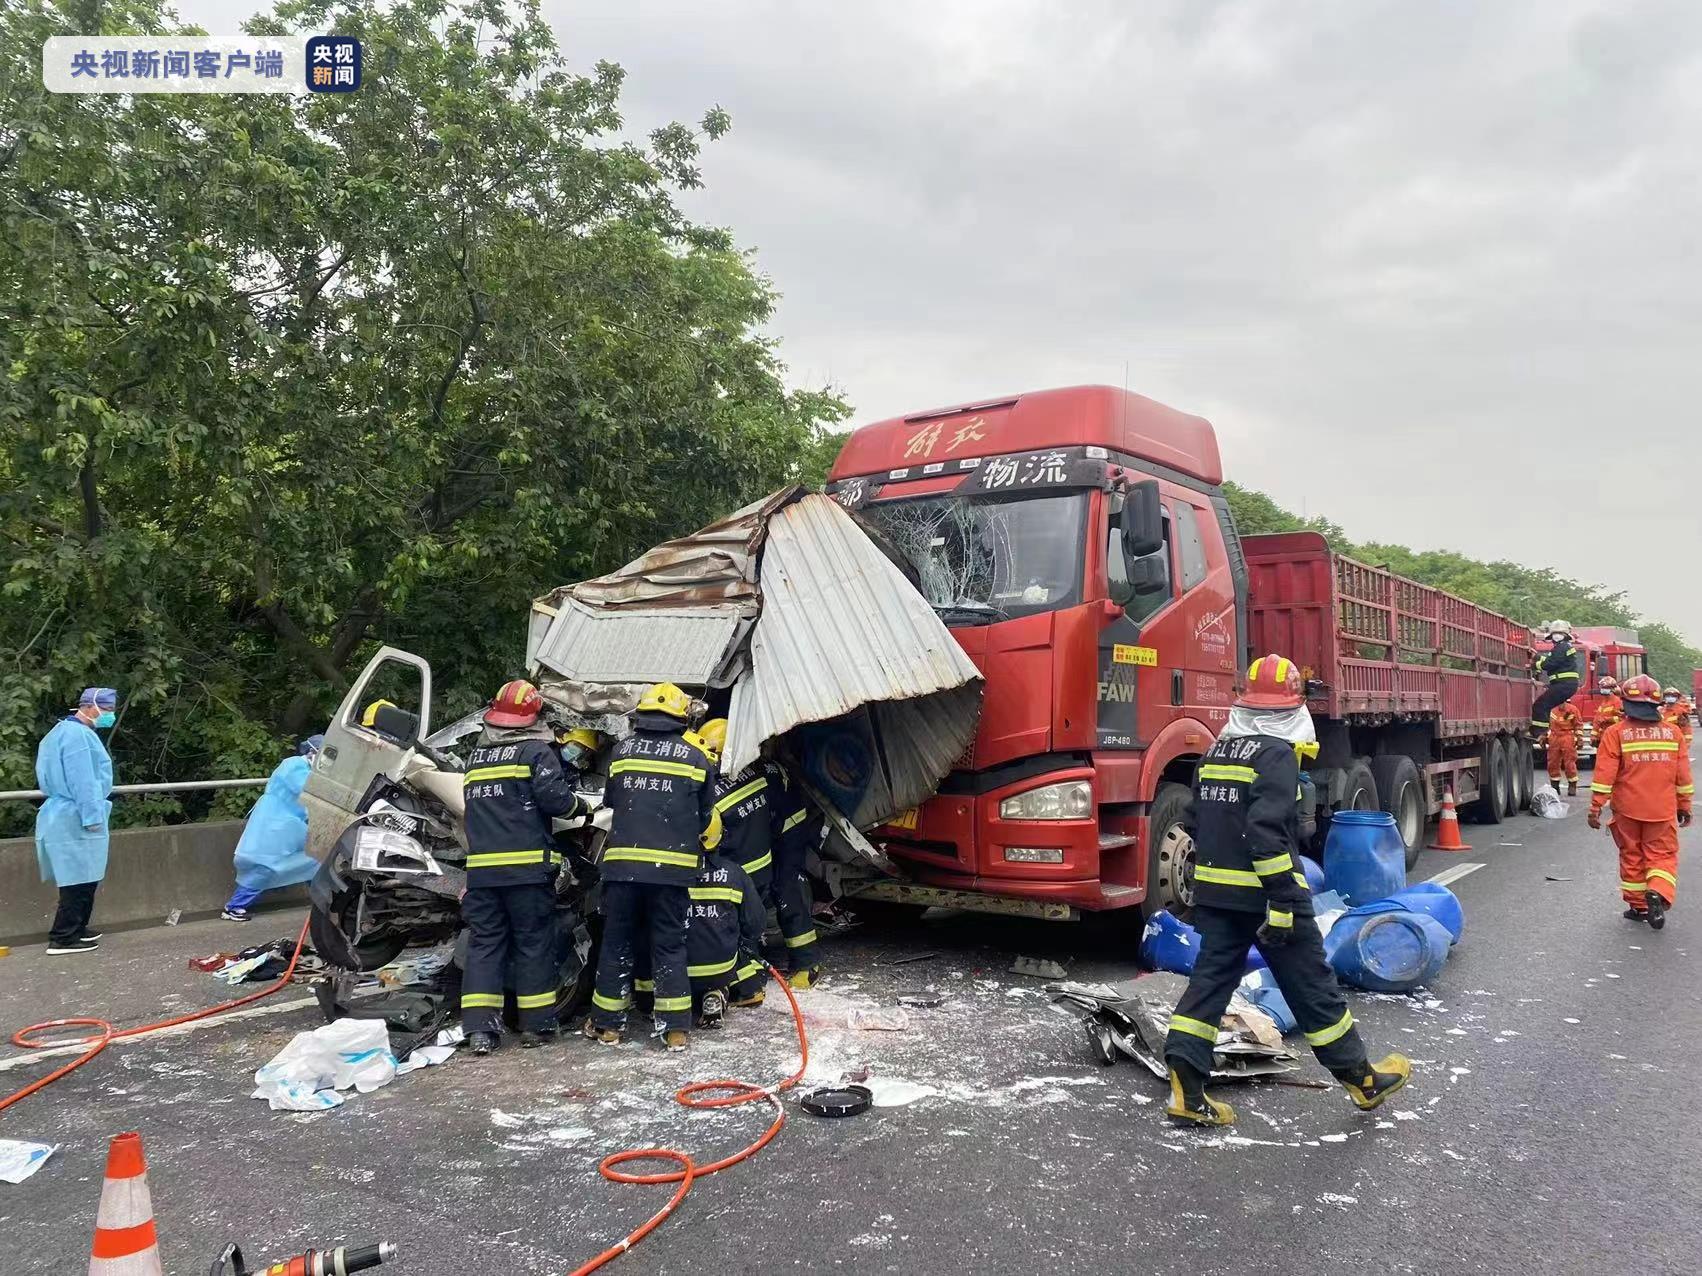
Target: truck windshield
{"points": [[977, 559]]}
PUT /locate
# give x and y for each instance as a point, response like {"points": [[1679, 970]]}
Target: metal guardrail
{"points": [[182, 786]]}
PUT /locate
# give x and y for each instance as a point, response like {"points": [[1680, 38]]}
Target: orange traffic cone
{"points": [[125, 1244], [1448, 827]]}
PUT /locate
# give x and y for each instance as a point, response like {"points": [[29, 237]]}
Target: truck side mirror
{"points": [[1148, 575], [1143, 521]]}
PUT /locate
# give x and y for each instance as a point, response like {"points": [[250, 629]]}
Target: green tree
{"points": [[286, 376]]}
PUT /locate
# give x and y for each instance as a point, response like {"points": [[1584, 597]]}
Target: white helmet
{"points": [[1560, 627]]}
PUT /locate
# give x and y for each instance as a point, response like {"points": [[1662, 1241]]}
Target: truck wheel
{"points": [[1170, 854], [1400, 791], [330, 932], [1492, 782], [1519, 778], [1359, 790]]}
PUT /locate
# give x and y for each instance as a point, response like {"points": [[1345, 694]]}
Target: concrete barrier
{"points": [[149, 873]]}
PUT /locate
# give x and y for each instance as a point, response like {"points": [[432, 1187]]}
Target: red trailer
{"points": [[1079, 544]]}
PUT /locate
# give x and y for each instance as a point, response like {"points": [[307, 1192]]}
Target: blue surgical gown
{"points": [[73, 827], [273, 848]]}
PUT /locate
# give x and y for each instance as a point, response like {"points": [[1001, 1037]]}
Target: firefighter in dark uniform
{"points": [[1248, 888], [723, 936], [661, 793], [747, 839], [1559, 668], [513, 785], [796, 828]]}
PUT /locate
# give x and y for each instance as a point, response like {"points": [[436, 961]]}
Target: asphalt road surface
{"points": [[1554, 1123]]}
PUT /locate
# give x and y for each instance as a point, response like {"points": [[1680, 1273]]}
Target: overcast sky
{"points": [[1432, 270]]}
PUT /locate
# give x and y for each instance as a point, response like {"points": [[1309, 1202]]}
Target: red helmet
{"points": [[1640, 690], [518, 704], [1273, 682]]}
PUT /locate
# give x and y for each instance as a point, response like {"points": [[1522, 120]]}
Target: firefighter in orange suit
{"points": [[1675, 713], [1611, 710], [1564, 723], [1643, 772]]}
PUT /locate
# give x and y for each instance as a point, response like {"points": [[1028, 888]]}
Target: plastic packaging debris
{"points": [[306, 1075], [424, 1057], [173, 917], [1039, 967], [1386, 948], [1549, 804], [418, 970], [878, 1019], [1260, 988], [920, 1000], [19, 1160]]}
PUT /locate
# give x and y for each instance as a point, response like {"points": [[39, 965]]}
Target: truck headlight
{"points": [[1071, 800]]}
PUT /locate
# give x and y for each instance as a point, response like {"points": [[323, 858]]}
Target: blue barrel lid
{"points": [[1368, 818]]}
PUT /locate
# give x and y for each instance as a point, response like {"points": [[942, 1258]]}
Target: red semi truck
{"points": [[1078, 543]]}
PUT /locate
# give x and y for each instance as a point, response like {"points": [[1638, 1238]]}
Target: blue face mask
{"points": [[105, 721]]}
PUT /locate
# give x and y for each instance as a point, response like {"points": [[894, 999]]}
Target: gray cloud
{"points": [[1432, 270]]}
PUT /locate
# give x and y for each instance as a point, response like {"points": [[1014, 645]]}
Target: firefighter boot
{"points": [[1189, 1101], [1657, 910], [530, 1040], [1371, 1083], [714, 1007], [805, 978], [675, 1040], [481, 1043], [753, 999], [1571, 788], [602, 1036]]}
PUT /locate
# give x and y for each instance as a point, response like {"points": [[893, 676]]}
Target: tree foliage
{"points": [[289, 376]]}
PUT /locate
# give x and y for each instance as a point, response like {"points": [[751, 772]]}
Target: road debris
{"points": [[877, 1019], [19, 1160], [1135, 1020], [1038, 967], [309, 1073]]}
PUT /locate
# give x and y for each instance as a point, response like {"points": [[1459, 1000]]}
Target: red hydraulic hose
{"points": [[24, 1037], [701, 1094]]}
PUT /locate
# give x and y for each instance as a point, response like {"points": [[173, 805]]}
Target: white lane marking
{"points": [[253, 1012], [1454, 874]]}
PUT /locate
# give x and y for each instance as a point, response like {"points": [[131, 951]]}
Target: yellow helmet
{"points": [[714, 736], [369, 716], [665, 697], [580, 735]]}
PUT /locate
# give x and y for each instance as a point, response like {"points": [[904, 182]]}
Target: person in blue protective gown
{"points": [[272, 851], [73, 826]]}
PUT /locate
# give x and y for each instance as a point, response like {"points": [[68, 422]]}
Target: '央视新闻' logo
{"points": [[333, 64]]}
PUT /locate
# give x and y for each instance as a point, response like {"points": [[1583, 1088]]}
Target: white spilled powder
{"points": [[1636, 948], [1456, 1032], [506, 1120], [1500, 1041], [1449, 1152], [1574, 1021], [1612, 976], [1385, 1125], [1479, 992], [1336, 1198], [1332, 1138], [1616, 1056], [1404, 1115]]}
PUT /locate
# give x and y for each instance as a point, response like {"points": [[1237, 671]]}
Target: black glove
{"points": [[1277, 928], [1684, 819]]}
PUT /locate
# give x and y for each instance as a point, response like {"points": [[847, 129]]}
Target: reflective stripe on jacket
{"points": [[724, 922], [1642, 771], [513, 785], [1560, 664], [1245, 820], [746, 834]]}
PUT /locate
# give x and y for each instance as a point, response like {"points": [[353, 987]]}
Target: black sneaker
{"points": [[1657, 910], [72, 948], [91, 936]]}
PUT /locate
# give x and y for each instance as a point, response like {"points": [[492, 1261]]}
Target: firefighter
{"points": [[1563, 727], [1248, 889], [1674, 712], [747, 838], [661, 793], [723, 938], [1643, 772], [1559, 666], [1610, 711], [796, 828], [513, 785]]}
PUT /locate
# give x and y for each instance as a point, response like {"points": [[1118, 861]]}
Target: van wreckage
{"points": [[785, 617]]}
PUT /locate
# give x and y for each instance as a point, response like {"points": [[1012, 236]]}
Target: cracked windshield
{"points": [[981, 560]]}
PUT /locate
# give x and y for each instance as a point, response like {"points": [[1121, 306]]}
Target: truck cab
{"points": [[1078, 545]]}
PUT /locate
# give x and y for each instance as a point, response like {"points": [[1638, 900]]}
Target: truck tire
{"points": [[1359, 787], [1522, 759], [1401, 792], [1170, 854], [329, 933], [1492, 784]]}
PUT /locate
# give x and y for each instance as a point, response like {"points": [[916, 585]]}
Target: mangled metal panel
{"points": [[693, 646], [841, 630]]}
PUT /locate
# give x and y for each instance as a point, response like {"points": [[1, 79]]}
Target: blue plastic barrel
{"points": [[1364, 857], [1314, 875], [1436, 901], [1169, 944], [1383, 947]]}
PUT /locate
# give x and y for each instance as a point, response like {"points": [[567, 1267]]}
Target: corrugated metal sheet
{"points": [[688, 645], [841, 628]]}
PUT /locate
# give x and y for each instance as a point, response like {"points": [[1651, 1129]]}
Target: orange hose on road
{"points": [[108, 1034], [727, 1093]]}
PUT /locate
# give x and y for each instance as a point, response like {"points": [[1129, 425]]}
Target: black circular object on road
{"points": [[837, 1100]]}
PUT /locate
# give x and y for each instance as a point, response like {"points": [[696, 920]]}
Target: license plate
{"points": [[907, 820]]}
